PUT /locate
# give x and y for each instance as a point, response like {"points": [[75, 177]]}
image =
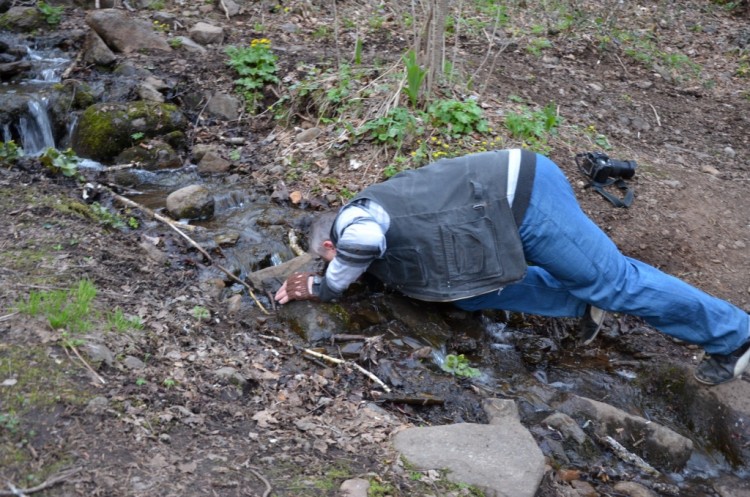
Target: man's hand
{"points": [[297, 287]]}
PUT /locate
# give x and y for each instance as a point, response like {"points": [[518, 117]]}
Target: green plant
{"points": [[460, 118], [10, 152], [175, 43], [140, 382], [53, 15], [531, 125], [200, 313], [67, 310], [536, 45], [137, 136], [60, 162], [392, 128], [458, 365], [104, 216], [358, 51], [235, 154], [156, 5], [133, 223], [162, 26], [9, 422], [414, 77], [119, 322], [256, 66], [169, 383]]}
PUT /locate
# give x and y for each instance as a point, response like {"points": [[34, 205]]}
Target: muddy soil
{"points": [[196, 400]]}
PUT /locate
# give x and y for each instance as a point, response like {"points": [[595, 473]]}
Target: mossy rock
{"points": [[106, 129], [22, 20], [156, 155]]}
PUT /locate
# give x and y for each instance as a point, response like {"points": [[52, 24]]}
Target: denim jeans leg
{"points": [[573, 254]]}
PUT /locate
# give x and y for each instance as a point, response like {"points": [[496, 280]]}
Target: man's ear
{"points": [[328, 245]]}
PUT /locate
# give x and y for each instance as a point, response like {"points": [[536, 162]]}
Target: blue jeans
{"points": [[574, 263]]}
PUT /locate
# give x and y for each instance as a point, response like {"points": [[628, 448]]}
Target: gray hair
{"points": [[320, 231]]}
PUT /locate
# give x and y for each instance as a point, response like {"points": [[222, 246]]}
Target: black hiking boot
{"points": [[590, 324], [717, 369]]}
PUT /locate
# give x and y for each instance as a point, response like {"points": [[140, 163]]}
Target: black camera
{"points": [[599, 167]]}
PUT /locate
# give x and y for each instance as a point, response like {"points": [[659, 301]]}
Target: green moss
{"points": [[105, 129]]}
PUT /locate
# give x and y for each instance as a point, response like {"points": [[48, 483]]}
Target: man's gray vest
{"points": [[452, 233]]}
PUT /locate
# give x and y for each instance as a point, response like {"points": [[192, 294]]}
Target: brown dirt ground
{"points": [[176, 428]]}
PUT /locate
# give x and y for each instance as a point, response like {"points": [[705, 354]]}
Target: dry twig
{"points": [[330, 359], [53, 480]]}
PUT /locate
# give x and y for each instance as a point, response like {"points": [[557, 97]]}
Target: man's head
{"points": [[320, 236]]}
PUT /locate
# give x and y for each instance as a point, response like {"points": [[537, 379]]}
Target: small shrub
{"points": [[458, 365], [414, 77], [392, 128], [10, 153], [57, 162], [460, 118], [256, 66], [51, 14], [532, 126]]}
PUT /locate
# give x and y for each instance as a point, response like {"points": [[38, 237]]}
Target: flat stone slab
{"points": [[503, 460]]}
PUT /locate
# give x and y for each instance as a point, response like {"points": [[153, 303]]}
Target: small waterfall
{"points": [[48, 66], [7, 136], [35, 129]]}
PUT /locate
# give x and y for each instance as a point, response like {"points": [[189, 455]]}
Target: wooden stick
{"points": [[78, 354], [331, 359], [192, 242], [59, 477], [628, 456]]}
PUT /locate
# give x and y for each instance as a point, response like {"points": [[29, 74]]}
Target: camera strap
{"points": [[621, 185]]}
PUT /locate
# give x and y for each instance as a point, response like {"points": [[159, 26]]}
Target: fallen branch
{"points": [[192, 242], [331, 360], [259, 476], [88, 366], [54, 480], [629, 457]]}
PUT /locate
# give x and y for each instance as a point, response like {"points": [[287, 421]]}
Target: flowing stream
{"points": [[251, 219]]}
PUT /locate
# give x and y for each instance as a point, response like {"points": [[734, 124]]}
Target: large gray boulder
{"points": [[502, 458], [124, 34]]}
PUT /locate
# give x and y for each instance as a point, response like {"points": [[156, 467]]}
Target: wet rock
{"points": [[633, 489], [566, 426], [189, 45], [22, 19], [11, 69], [106, 129], [584, 488], [223, 106], [191, 202], [661, 446], [96, 52], [150, 93], [313, 322], [212, 162], [151, 156], [230, 375], [99, 354], [98, 404], [133, 363], [501, 459], [356, 487], [124, 34], [206, 34]]}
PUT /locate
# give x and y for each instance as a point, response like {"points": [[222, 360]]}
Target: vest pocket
{"points": [[471, 250], [401, 266]]}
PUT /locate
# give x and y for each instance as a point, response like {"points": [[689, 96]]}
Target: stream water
{"points": [[255, 224]]}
